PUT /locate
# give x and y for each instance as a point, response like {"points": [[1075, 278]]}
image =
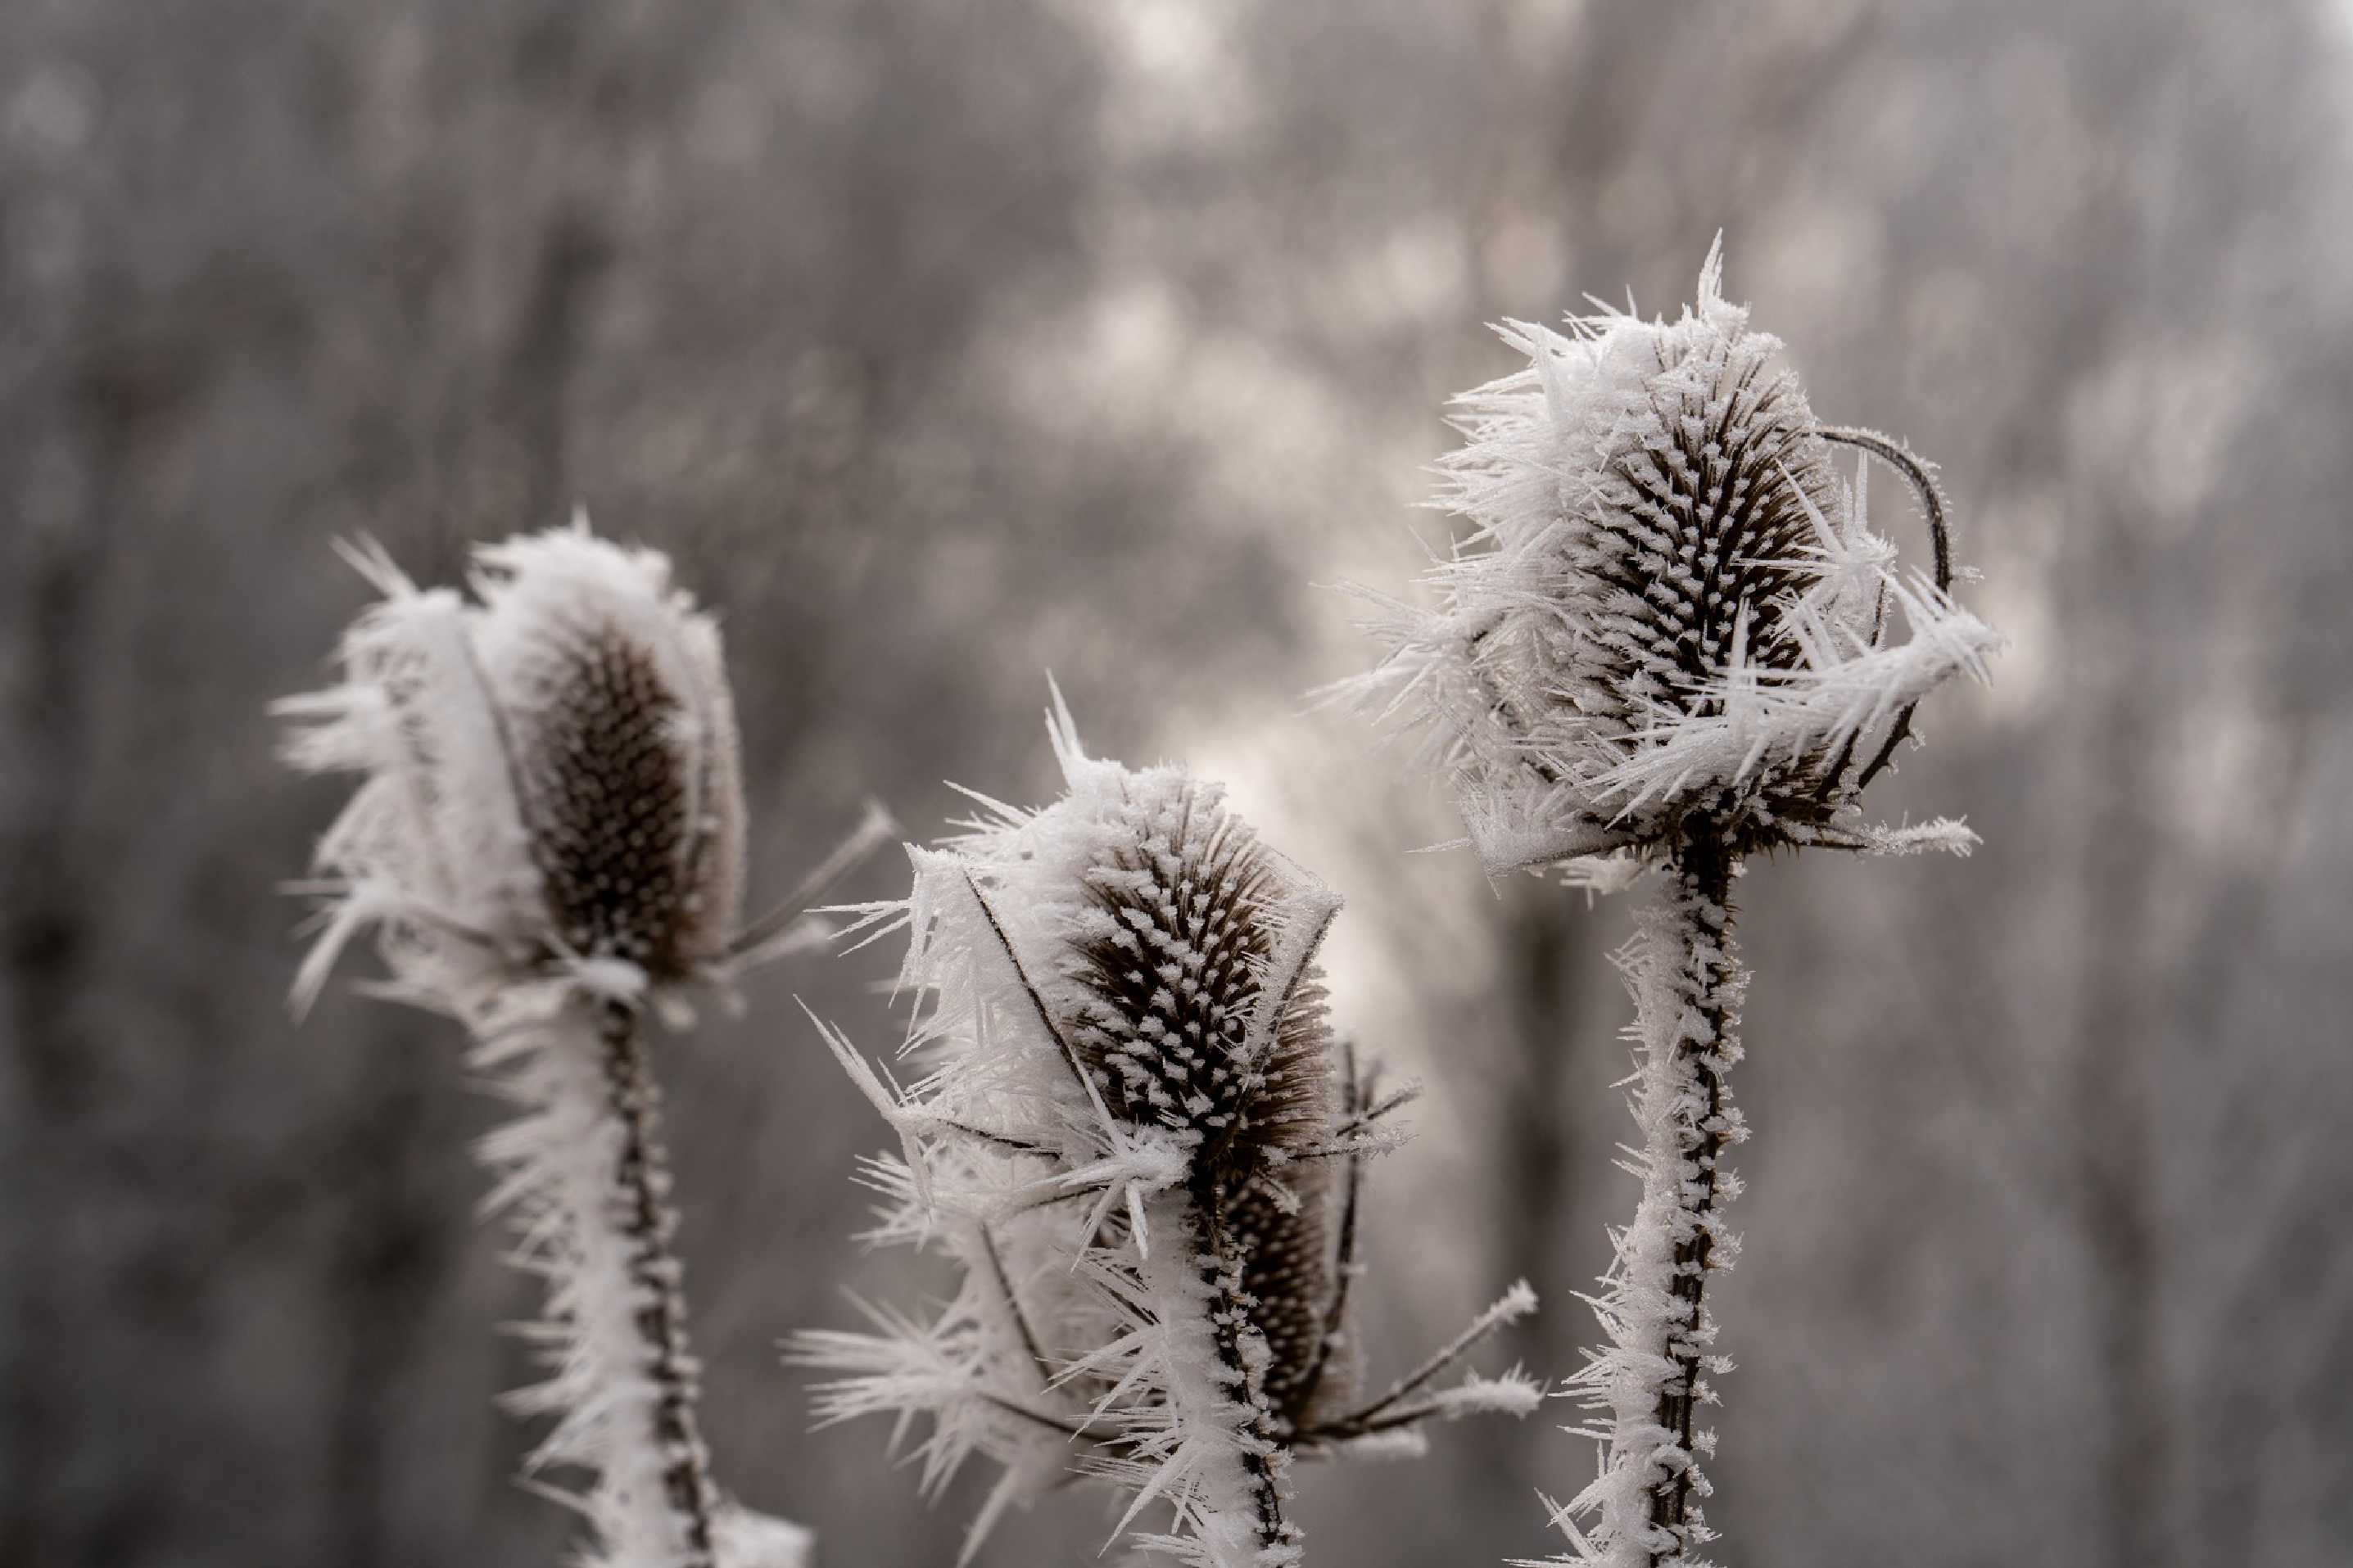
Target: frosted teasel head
{"points": [[549, 777], [1671, 615], [1120, 1018]]}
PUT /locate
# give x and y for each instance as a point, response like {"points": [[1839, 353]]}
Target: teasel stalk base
{"points": [[1651, 1378], [1217, 1380], [586, 1181], [642, 1212]]}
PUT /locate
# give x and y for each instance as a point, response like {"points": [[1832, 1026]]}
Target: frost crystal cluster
{"points": [[547, 836], [1134, 1132], [1670, 606]]}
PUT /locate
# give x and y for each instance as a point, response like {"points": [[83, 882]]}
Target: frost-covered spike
{"points": [[1669, 605], [1945, 834], [1514, 1393], [1134, 1132], [547, 839]]}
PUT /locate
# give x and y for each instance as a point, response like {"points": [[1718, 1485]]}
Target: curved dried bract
{"points": [[1135, 1133]]}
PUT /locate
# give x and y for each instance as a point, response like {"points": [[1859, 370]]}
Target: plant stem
{"points": [[1217, 1384], [646, 1222], [1261, 1454], [1687, 986], [1706, 986]]}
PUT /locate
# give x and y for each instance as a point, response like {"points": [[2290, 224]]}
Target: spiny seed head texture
{"points": [[1706, 467], [549, 771], [1171, 951], [1123, 1023], [1163, 935], [1669, 616], [1167, 958], [1166, 945], [624, 741], [1290, 1271]]}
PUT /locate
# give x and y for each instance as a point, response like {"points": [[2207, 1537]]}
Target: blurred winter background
{"points": [[948, 341]]}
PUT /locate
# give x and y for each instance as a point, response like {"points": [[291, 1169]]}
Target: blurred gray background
{"points": [[948, 341]]}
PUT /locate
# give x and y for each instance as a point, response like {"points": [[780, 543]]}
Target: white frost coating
{"points": [[1130, 1128], [607, 1389], [1645, 1508], [749, 1540], [1211, 1446], [1670, 601], [547, 837]]}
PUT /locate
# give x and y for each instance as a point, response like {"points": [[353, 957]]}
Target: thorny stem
{"points": [[1264, 1457], [641, 1180], [1706, 986], [1687, 987]]}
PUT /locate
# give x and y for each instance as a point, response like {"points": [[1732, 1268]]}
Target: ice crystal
{"points": [[1135, 1133]]}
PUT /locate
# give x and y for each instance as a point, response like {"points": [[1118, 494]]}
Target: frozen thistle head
{"points": [[1671, 616], [1131, 1104], [549, 774]]}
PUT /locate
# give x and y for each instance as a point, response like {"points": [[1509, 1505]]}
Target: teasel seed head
{"points": [[1671, 618], [1170, 937], [550, 773], [1134, 967], [1136, 1133], [624, 745]]}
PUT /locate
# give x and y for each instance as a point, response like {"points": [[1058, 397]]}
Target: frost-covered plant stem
{"points": [[647, 1222], [586, 1182], [1687, 983], [1217, 1384]]}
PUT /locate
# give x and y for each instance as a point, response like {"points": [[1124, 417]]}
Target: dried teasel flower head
{"points": [[549, 773], [1671, 616], [1136, 1134], [548, 837]]}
